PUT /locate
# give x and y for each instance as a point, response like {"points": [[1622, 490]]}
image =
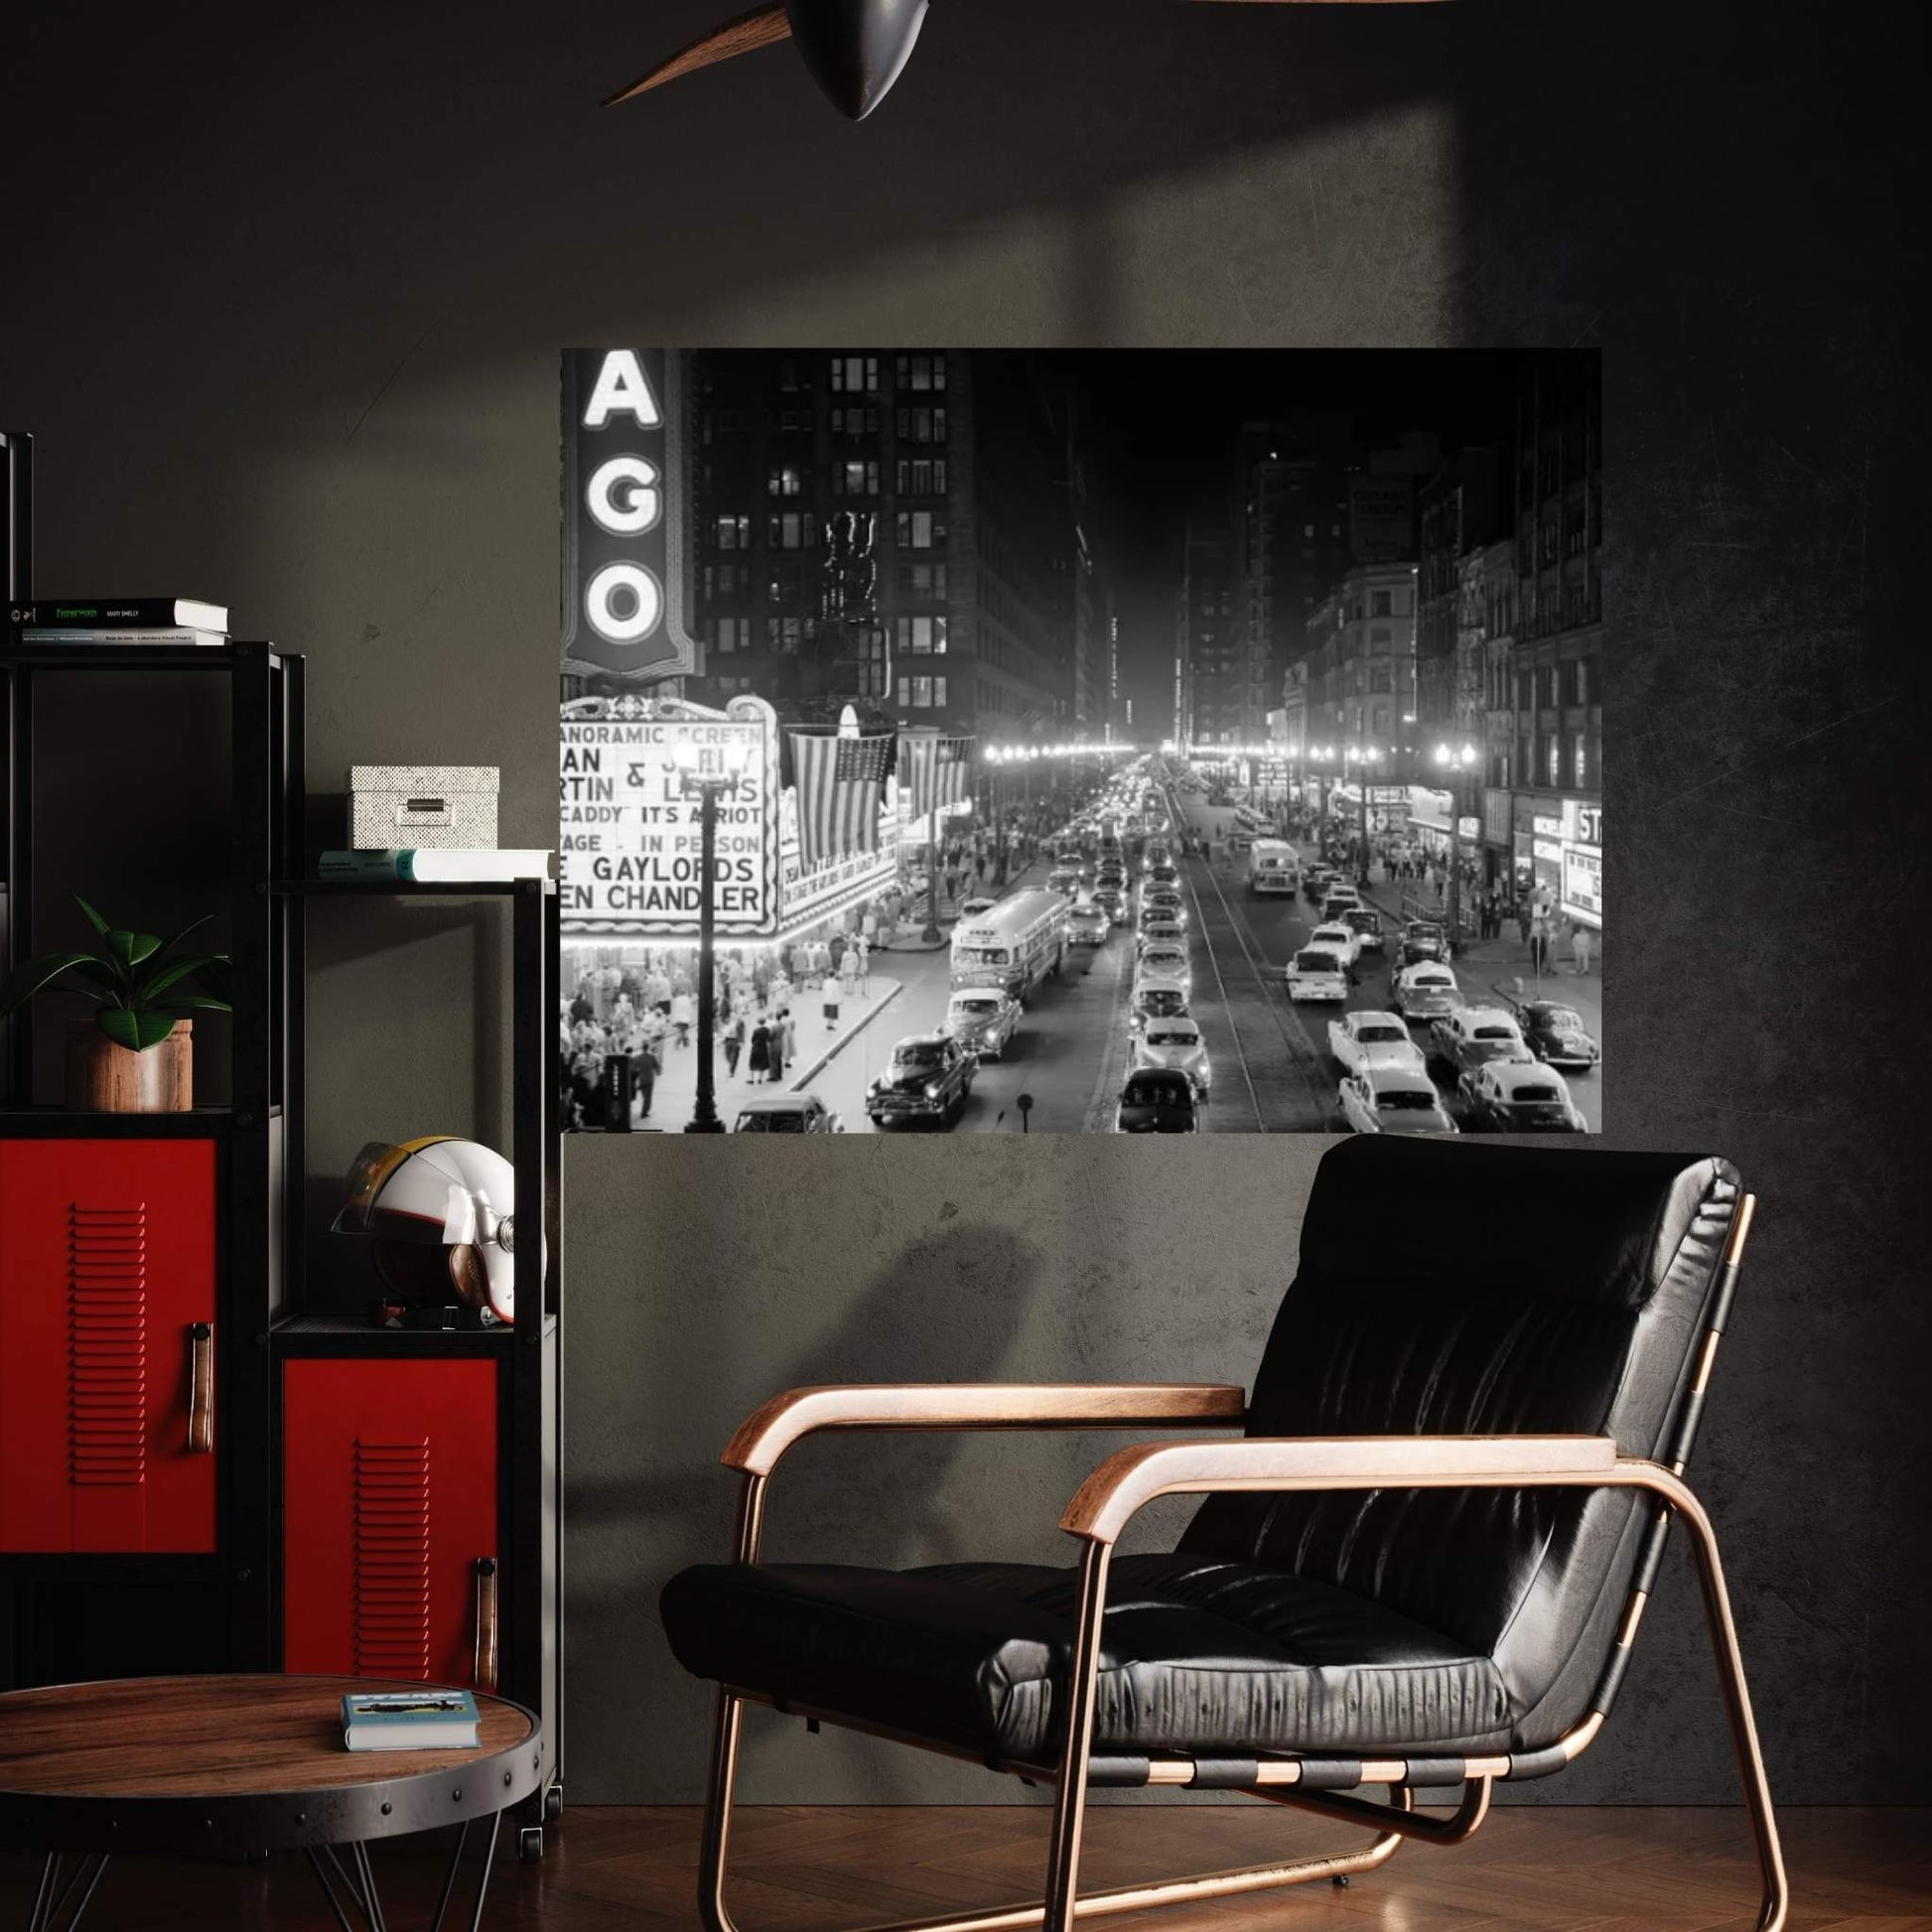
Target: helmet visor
{"points": [[401, 1192]]}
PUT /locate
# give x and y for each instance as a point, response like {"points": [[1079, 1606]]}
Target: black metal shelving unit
{"points": [[250, 1134], [264, 1312]]}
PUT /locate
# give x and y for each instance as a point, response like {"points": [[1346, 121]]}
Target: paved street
{"points": [[1272, 1068]]}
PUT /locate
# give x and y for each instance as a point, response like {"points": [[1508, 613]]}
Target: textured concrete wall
{"points": [[286, 317]]}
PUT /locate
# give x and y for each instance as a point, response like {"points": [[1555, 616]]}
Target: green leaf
{"points": [[33, 976], [130, 948], [138, 1031], [103, 972], [173, 940], [152, 982], [93, 919]]}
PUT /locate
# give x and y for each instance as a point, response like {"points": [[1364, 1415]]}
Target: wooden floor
{"points": [[814, 1869]]}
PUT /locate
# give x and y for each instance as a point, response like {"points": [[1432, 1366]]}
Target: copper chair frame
{"points": [[1133, 1477]]}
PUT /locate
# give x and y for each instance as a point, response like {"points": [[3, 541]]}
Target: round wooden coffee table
{"points": [[238, 1766]]}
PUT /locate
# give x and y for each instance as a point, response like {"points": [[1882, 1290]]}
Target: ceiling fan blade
{"points": [[761, 26]]}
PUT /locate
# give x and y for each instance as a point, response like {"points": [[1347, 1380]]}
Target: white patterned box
{"points": [[416, 805]]}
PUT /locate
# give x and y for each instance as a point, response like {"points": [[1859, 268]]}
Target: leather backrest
{"points": [[1483, 1288]]}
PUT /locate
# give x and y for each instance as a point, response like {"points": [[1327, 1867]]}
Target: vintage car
{"points": [[1154, 1000], [1113, 900], [1316, 881], [786, 1113], [1362, 1041], [1423, 940], [927, 1078], [1338, 937], [1157, 1100], [1557, 1035], [972, 908], [1367, 922], [1462, 1041], [1064, 878], [1158, 931], [1424, 991], [982, 1018], [1393, 1100], [1520, 1097], [1168, 962], [1089, 923], [1176, 1042], [1316, 973]]}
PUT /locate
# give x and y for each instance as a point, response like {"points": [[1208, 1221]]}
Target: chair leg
{"points": [[1743, 1729], [714, 1853]]}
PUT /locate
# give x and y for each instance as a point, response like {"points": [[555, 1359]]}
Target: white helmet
{"points": [[439, 1193]]}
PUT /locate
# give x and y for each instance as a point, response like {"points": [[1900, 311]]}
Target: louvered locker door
{"points": [[106, 1345], [389, 1519]]}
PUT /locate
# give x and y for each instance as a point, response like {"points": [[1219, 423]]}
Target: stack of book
{"points": [[84, 620]]}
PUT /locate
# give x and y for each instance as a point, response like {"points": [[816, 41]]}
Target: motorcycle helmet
{"points": [[441, 1215]]}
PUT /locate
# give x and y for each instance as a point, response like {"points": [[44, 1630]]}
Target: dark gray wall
{"points": [[284, 300]]}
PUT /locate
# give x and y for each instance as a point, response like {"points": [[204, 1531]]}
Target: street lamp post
{"points": [[708, 774], [1457, 764]]}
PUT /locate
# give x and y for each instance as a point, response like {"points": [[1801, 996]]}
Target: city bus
{"points": [[1015, 945], [1274, 866]]}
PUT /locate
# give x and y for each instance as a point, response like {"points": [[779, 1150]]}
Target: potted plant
{"points": [[136, 1056]]}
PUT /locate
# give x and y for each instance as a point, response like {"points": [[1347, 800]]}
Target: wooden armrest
{"points": [[1133, 1477], [770, 1431]]}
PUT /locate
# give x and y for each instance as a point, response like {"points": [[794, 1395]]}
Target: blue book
{"points": [[428, 1719]]}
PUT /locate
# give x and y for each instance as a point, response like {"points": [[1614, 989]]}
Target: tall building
{"points": [[1294, 477], [1457, 513], [895, 529], [1543, 808], [1228, 700], [1358, 692]]}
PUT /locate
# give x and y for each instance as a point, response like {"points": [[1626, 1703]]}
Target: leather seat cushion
{"points": [[1198, 1655]]}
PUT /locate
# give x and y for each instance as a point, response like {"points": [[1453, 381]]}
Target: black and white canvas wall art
{"points": [[1055, 742]]}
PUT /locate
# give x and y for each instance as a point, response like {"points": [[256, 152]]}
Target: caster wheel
{"points": [[529, 1845], [553, 1804], [1341, 1883]]}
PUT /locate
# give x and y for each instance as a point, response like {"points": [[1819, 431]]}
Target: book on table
{"points": [[446, 864], [429, 1720]]}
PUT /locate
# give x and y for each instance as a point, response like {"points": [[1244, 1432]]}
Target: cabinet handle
{"points": [[201, 1388], [485, 1665]]}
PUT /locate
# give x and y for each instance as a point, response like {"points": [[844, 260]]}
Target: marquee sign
{"points": [[631, 835], [626, 535]]}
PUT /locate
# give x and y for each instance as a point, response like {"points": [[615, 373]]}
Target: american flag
{"points": [[841, 782], [936, 768]]}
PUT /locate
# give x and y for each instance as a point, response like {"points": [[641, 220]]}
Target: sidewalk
{"points": [[675, 1091], [1501, 967]]}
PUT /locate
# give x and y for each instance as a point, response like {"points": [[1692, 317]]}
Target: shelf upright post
{"points": [[246, 1267]]}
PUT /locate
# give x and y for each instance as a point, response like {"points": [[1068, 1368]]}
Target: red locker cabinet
{"points": [[389, 1518], [106, 1344]]}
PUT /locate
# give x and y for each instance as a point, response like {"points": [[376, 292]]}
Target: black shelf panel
{"points": [[352, 1334], [125, 657], [411, 888], [57, 1123], [122, 1565]]}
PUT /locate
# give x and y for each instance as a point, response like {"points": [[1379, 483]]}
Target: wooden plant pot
{"points": [[103, 1078]]}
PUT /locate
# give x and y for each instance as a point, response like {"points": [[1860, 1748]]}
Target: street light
{"points": [[1455, 765], [708, 772]]}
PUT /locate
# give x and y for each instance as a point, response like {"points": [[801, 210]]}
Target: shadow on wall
{"points": [[672, 1505]]}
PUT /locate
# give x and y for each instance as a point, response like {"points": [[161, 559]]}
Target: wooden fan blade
{"points": [[761, 26]]}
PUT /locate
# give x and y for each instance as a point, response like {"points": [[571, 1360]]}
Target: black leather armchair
{"points": [[1424, 1566]]}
